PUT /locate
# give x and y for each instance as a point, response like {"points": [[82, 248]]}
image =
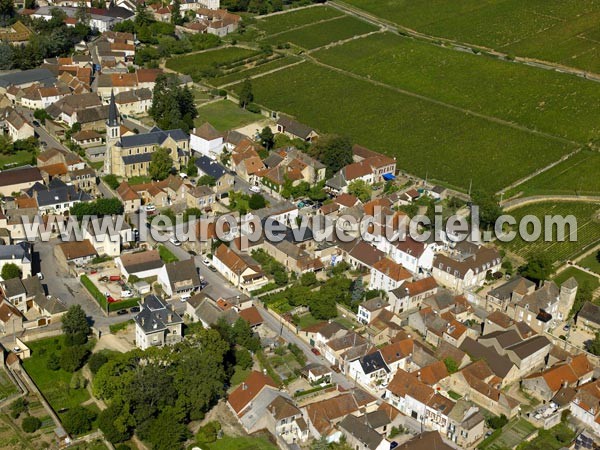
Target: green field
{"points": [[7, 387], [579, 275], [17, 159], [256, 70], [578, 175], [320, 34], [283, 22], [562, 31], [198, 62], [54, 384], [166, 255], [427, 138], [591, 262], [509, 436], [558, 104], [588, 230], [225, 115]]}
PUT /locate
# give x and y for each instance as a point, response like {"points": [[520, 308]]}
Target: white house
{"points": [[179, 278], [460, 271], [207, 141], [240, 270], [410, 294], [413, 255], [370, 370], [18, 254], [156, 324], [141, 264], [107, 239], [387, 275]]}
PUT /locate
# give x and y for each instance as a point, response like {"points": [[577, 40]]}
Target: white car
{"points": [[126, 293], [206, 261], [255, 189], [175, 241], [150, 207], [185, 296]]}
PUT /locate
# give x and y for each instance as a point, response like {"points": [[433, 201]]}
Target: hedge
{"points": [[101, 298]]}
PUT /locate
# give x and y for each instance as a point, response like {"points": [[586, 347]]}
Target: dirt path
{"points": [[113, 342]]}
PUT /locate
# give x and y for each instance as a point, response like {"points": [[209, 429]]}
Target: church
{"points": [[129, 154]]}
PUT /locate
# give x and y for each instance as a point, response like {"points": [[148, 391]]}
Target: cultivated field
{"points": [[196, 63], [578, 175], [562, 31], [588, 230], [509, 436], [427, 138], [256, 70], [225, 115], [559, 104], [279, 23], [321, 34]]}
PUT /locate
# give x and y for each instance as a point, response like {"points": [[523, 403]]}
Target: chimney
{"points": [[170, 318], [419, 375], [244, 387], [143, 321]]}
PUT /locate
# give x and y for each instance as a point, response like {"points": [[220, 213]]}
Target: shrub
{"points": [[31, 424], [72, 358], [78, 420], [53, 362], [208, 433], [96, 361], [18, 406], [497, 422]]}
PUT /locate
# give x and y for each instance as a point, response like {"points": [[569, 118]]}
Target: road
{"points": [[44, 136]]}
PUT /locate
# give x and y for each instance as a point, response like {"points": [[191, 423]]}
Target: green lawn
{"points": [[307, 320], [256, 70], [578, 175], [7, 387], [591, 261], [54, 384], [555, 438], [581, 277], [195, 64], [293, 19], [139, 179], [239, 375], [225, 115], [166, 255], [241, 443], [320, 34], [588, 230], [559, 104], [428, 139], [561, 31], [15, 160]]}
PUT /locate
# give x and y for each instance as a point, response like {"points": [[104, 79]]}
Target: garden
{"points": [[225, 115], [508, 436]]}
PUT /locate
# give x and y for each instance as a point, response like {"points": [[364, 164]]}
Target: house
{"points": [[359, 435], [588, 317], [409, 295], [500, 365], [242, 397], [529, 354], [335, 350], [496, 321], [20, 292], [368, 166], [207, 141], [370, 370], [361, 255], [16, 125], [397, 355], [201, 197], [106, 237], [100, 19], [18, 254], [156, 324], [369, 309], [224, 180], [545, 385], [134, 102], [85, 109], [246, 162], [414, 255], [252, 316], [25, 78], [142, 265], [317, 373], [462, 270], [324, 415], [58, 197], [500, 297], [425, 441], [240, 270], [78, 253], [295, 129], [286, 421], [11, 319], [179, 278], [387, 275], [18, 179], [130, 198], [585, 406], [414, 398], [209, 313], [470, 424], [292, 256]]}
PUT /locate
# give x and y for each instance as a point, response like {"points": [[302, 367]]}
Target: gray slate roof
{"points": [[357, 428], [21, 77], [154, 315], [182, 275], [154, 137], [590, 312], [210, 167]]}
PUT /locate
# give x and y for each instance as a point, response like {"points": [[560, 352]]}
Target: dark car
{"points": [[121, 312], [212, 268], [193, 253], [315, 351], [135, 309], [36, 123], [393, 445]]}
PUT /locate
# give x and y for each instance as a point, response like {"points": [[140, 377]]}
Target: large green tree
{"points": [[360, 189], [489, 207], [246, 94], [172, 105], [161, 164], [10, 270], [75, 325], [334, 151], [538, 268]]}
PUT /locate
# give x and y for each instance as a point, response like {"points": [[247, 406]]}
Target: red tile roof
{"points": [[248, 390]]}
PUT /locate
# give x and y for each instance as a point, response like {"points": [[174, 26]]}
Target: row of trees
{"points": [[99, 207], [172, 105]]}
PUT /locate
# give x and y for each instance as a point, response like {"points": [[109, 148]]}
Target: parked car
{"points": [[40, 275], [255, 189], [567, 327], [115, 278], [206, 261], [135, 309], [193, 253], [185, 296], [175, 241], [103, 279], [315, 351], [212, 268], [121, 312], [126, 293], [203, 284], [150, 207]]}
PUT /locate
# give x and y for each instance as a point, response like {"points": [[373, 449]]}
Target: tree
{"points": [[41, 115], [78, 420], [116, 422], [593, 346], [242, 334], [538, 268], [31, 424], [176, 17], [334, 151], [172, 105], [53, 362], [142, 15], [489, 208], [75, 326], [111, 180], [7, 11], [267, 138], [206, 180], [160, 164], [497, 421], [72, 358], [451, 365], [360, 189], [585, 293], [308, 279], [10, 270], [100, 207], [191, 168], [96, 361], [246, 95], [82, 14], [256, 201], [243, 358]]}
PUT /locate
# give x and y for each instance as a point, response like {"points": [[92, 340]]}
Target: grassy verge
{"points": [[579, 275], [116, 327], [166, 255]]}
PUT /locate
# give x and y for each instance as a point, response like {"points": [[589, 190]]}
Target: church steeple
{"points": [[113, 114]]}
